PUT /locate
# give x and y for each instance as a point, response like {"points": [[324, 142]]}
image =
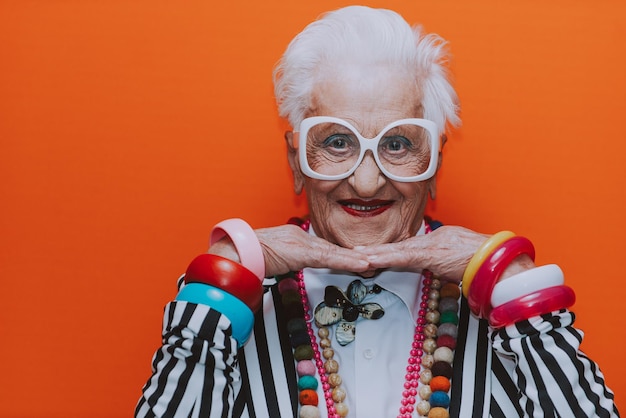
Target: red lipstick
{"points": [[365, 208]]}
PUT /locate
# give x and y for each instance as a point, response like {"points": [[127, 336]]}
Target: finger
{"points": [[336, 257], [394, 254]]}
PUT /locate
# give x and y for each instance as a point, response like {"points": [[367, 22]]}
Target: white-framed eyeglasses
{"points": [[330, 148]]}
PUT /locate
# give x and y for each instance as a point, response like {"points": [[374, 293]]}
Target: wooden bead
{"points": [[339, 395], [430, 345], [307, 382], [440, 383], [448, 305], [323, 332], [450, 317], [432, 317], [443, 354], [309, 411], [334, 379], [341, 409], [450, 290], [325, 343], [331, 366], [328, 353], [432, 304], [430, 330], [422, 408], [448, 329], [307, 368], [442, 368], [295, 325], [446, 341], [303, 352], [428, 360], [438, 412], [308, 397], [425, 391]]}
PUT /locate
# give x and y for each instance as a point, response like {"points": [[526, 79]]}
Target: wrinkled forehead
{"points": [[368, 97]]}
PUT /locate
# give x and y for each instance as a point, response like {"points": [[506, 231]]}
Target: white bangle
{"points": [[525, 283]]}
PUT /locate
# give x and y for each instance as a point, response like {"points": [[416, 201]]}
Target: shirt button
{"points": [[368, 354]]}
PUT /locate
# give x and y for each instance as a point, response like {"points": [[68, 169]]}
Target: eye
{"points": [[337, 142], [396, 144]]}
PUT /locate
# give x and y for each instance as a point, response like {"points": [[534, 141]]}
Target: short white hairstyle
{"points": [[366, 36]]}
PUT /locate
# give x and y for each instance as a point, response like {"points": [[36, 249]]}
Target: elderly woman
{"points": [[368, 308]]}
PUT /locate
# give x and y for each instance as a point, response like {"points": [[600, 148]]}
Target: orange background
{"points": [[129, 128]]}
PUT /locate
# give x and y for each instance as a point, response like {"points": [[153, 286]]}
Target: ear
{"points": [[432, 186], [294, 163]]}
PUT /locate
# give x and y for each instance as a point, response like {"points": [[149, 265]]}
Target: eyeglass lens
{"points": [[334, 149]]}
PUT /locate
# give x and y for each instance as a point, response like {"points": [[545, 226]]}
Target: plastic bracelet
{"points": [[537, 303], [227, 275], [480, 255], [479, 297], [526, 282], [239, 315], [245, 241]]}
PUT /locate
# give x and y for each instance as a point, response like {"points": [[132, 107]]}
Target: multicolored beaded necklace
{"points": [[429, 366]]}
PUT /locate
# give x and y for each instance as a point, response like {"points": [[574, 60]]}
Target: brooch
{"points": [[344, 308]]}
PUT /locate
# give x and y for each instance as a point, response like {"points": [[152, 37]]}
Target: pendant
{"points": [[344, 308]]}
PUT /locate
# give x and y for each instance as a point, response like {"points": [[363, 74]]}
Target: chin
{"points": [[370, 273]]}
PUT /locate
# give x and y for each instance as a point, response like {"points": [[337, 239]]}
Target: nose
{"points": [[367, 179]]}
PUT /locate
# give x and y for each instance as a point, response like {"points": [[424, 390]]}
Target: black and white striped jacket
{"points": [[534, 368]]}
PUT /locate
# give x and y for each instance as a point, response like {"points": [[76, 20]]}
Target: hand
{"points": [[446, 252], [289, 248]]}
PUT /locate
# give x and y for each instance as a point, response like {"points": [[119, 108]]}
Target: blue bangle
{"points": [[240, 316]]}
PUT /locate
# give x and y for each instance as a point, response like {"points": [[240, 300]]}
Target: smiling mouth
{"points": [[365, 209]]}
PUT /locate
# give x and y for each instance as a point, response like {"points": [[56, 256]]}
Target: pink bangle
{"points": [[228, 276], [480, 255], [537, 303], [245, 241], [487, 275]]}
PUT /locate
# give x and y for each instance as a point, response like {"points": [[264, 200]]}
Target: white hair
{"points": [[365, 36]]}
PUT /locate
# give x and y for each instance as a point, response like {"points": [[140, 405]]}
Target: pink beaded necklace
{"points": [[428, 370]]}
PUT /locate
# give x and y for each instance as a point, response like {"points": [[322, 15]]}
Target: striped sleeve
{"points": [[552, 376], [194, 372], [269, 385]]}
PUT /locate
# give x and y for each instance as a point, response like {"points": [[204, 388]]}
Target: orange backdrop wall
{"points": [[127, 129]]}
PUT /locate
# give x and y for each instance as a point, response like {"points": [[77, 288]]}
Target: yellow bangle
{"points": [[481, 255]]}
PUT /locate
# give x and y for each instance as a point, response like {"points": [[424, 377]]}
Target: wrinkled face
{"points": [[366, 208]]}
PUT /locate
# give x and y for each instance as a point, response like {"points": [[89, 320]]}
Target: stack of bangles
{"points": [[533, 292], [233, 289]]}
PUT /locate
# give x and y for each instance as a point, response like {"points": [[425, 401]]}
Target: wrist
{"points": [[488, 265], [520, 264]]}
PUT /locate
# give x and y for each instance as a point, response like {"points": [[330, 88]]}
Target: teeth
{"points": [[363, 208]]}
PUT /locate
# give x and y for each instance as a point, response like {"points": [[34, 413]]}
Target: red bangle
{"points": [[537, 303], [479, 296], [227, 275]]}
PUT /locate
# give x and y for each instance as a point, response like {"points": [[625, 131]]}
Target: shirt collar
{"points": [[404, 284]]}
